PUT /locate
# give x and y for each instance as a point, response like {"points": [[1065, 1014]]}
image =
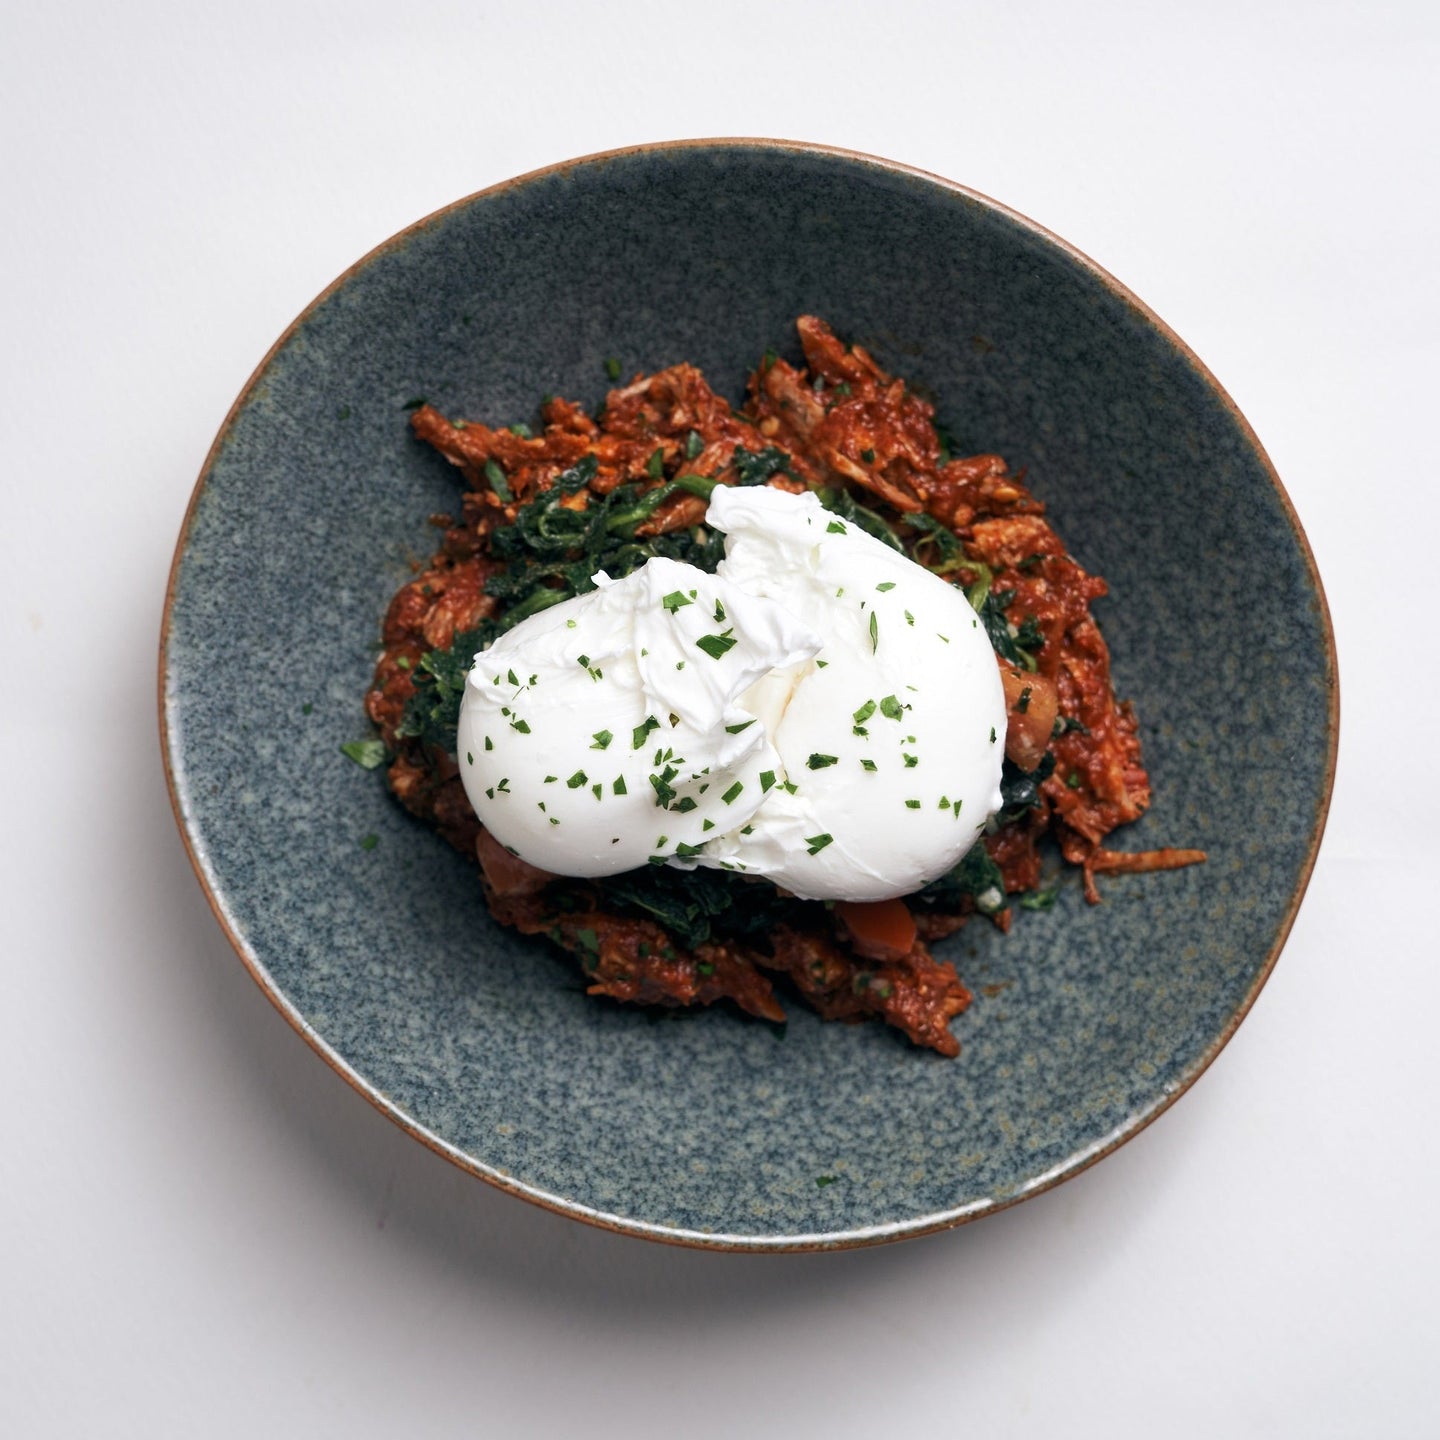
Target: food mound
{"points": [[543, 512]]}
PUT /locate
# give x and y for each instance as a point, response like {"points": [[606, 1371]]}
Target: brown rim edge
{"points": [[696, 1239]]}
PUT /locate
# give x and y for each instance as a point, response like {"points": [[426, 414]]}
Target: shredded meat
{"points": [[842, 422]]}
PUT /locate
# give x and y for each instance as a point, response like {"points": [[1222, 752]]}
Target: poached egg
{"points": [[822, 712]]}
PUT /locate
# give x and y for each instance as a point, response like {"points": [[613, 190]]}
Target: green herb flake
{"points": [[868, 456], [836, 527], [641, 732], [675, 599], [619, 787], [868, 765], [415, 404], [602, 740], [992, 734], [732, 793], [489, 743], [816, 843], [823, 1180], [596, 789], [521, 727], [577, 780], [864, 712], [743, 725], [821, 762], [911, 761], [655, 465], [719, 613], [369, 842], [909, 618], [522, 430], [945, 638], [469, 758], [891, 708], [767, 779], [612, 367], [716, 646], [885, 585], [707, 825], [1042, 899], [1073, 779], [874, 632], [496, 476], [367, 754], [1023, 703], [307, 708], [912, 804], [693, 444]]}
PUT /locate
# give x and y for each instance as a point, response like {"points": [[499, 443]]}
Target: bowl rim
{"points": [[694, 1239]]}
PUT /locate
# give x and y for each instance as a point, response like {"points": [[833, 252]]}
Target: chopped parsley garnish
{"points": [[675, 599], [577, 780], [496, 476], [602, 740], [732, 793], [868, 765], [911, 761], [874, 632], [641, 732], [367, 754], [868, 456], [619, 787], [836, 527], [612, 367], [885, 585], [864, 712], [693, 444], [891, 708], [655, 465], [369, 842], [767, 779], [821, 762], [715, 646], [912, 804], [743, 725], [816, 843]]}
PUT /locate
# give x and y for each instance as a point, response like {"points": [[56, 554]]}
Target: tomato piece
{"points": [[1031, 705], [879, 929], [505, 873]]}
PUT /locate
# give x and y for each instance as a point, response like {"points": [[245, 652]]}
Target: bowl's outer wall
{"points": [[314, 507]]}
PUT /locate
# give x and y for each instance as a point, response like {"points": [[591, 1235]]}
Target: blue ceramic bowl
{"points": [[370, 934]]}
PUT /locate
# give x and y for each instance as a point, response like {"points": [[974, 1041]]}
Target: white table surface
{"points": [[203, 1231]]}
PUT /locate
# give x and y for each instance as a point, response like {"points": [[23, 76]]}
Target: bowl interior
{"points": [[313, 506]]}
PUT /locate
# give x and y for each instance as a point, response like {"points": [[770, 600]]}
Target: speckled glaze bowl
{"points": [[371, 936]]}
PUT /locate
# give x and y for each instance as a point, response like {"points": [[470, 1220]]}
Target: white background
{"points": [[204, 1232]]}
